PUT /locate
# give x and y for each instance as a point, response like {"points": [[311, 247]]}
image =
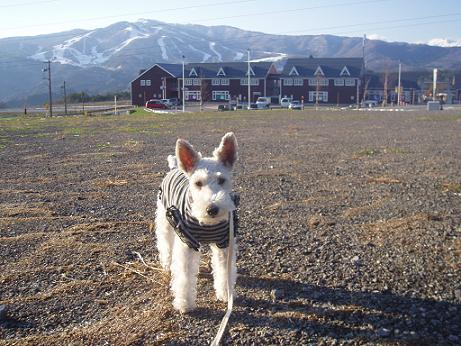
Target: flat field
{"points": [[349, 229]]}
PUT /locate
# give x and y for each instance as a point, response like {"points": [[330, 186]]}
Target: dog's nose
{"points": [[212, 210]]}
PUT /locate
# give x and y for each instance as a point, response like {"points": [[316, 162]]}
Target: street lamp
{"points": [[249, 79], [183, 86]]}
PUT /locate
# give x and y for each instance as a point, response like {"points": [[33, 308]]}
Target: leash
{"points": [[230, 294]]}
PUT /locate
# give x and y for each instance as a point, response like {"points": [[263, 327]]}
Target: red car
{"points": [[156, 104]]}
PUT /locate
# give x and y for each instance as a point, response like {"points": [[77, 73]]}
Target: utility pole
{"points": [[183, 86], [434, 84], [386, 81], [364, 67], [399, 86], [115, 104], [83, 102], [65, 97], [317, 92], [50, 100], [249, 80]]}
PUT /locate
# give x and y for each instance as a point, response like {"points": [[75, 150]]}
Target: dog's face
{"points": [[210, 179]]}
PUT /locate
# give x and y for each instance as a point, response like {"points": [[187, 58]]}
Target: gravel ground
{"points": [[350, 229]]}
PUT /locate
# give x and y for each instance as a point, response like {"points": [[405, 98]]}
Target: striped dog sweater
{"points": [[175, 196]]}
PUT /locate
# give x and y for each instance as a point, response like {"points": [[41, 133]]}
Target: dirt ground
{"points": [[350, 229]]}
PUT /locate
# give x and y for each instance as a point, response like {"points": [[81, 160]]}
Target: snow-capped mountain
{"points": [[107, 59]]}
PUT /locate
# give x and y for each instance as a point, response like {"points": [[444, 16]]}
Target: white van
{"points": [[285, 102], [263, 102]]}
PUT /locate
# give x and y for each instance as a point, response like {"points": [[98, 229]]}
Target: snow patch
{"points": [[444, 42], [206, 56], [212, 48], [278, 57], [161, 43]]}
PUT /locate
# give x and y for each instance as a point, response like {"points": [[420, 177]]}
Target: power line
{"points": [[215, 4], [28, 3], [294, 10]]}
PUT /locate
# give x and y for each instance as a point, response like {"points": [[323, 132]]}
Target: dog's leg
{"points": [[165, 236], [184, 270], [220, 271]]}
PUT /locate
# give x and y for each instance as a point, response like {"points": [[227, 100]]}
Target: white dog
{"points": [[194, 207]]}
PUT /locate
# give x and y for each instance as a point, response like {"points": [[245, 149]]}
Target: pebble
{"points": [[453, 338], [356, 261], [384, 332], [3, 313], [458, 294], [277, 294]]}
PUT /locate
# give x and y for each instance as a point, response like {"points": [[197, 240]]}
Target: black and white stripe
{"points": [[174, 192]]}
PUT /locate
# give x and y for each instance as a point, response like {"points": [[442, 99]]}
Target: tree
{"points": [[205, 92]]}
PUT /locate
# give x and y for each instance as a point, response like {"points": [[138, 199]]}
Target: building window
{"points": [[339, 82], [322, 96], [215, 81], [220, 95], [192, 95], [298, 82], [143, 82], [148, 82], [350, 82], [224, 81], [188, 81], [196, 81], [321, 81], [253, 81], [288, 81]]}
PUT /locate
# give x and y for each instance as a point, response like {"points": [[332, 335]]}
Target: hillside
{"points": [[107, 59]]}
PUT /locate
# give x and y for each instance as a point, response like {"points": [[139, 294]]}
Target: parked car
{"points": [[285, 102], [175, 101], [369, 103], [156, 104], [263, 102], [295, 105]]}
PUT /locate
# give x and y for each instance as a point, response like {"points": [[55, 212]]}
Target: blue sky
{"points": [[392, 20]]}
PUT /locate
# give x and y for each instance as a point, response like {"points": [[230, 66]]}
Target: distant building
{"points": [[205, 81], [377, 89], [326, 80]]}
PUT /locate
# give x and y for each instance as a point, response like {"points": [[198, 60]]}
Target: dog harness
{"points": [[176, 198]]}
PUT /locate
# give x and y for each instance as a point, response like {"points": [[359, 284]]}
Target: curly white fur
{"points": [[175, 256]]}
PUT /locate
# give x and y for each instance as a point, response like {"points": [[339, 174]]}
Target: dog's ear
{"points": [[187, 156], [227, 150]]}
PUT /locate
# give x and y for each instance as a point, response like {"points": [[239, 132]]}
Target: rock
{"points": [[277, 294], [356, 261], [3, 313], [453, 338], [384, 332], [458, 294]]}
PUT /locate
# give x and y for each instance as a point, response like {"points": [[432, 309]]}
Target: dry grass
{"points": [[383, 180]]}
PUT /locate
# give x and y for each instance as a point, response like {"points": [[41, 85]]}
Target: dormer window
{"points": [[319, 72], [193, 73], [252, 73], [221, 72], [293, 72], [345, 72]]}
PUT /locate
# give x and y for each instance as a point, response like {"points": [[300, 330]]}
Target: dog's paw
{"points": [[183, 306], [222, 296]]}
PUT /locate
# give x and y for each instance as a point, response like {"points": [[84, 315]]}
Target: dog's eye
{"points": [[221, 181], [198, 184]]}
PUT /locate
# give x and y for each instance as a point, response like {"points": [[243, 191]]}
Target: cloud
{"points": [[377, 37], [444, 42]]}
